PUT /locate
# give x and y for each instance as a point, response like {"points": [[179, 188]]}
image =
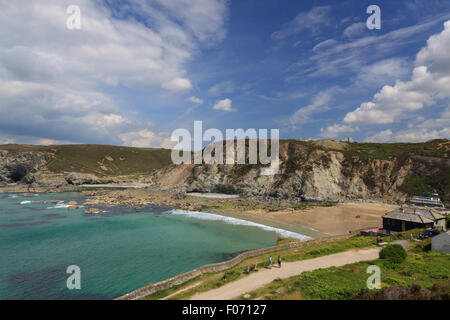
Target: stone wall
{"points": [[217, 267]]}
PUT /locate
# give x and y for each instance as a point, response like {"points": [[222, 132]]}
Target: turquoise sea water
{"points": [[118, 249]]}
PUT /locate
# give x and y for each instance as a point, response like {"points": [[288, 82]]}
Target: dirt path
{"points": [[264, 276]]}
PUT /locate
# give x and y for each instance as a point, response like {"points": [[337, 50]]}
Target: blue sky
{"points": [[136, 70]]}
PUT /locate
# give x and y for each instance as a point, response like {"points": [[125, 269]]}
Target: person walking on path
{"points": [[279, 262], [270, 262]]}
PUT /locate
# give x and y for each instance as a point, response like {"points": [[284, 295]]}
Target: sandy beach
{"points": [[336, 220], [332, 219]]}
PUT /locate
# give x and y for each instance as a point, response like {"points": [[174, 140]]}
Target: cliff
{"points": [[309, 170], [327, 170], [66, 165]]}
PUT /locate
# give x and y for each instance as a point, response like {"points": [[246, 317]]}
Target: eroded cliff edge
{"points": [[309, 170]]}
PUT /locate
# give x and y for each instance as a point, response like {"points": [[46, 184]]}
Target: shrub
{"points": [[413, 292], [393, 253]]}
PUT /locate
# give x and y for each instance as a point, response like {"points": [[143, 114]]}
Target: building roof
{"points": [[430, 214], [408, 214], [407, 217]]}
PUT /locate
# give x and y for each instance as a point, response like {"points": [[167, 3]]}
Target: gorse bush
{"points": [[413, 292], [393, 253]]}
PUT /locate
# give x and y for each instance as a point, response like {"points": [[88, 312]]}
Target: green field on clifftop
{"points": [[89, 158]]}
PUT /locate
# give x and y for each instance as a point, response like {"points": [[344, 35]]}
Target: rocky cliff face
{"points": [[313, 172], [30, 167], [21, 167], [318, 170]]}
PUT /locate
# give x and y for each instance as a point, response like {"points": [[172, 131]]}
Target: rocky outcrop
{"points": [[309, 170], [30, 167], [309, 174], [21, 167]]}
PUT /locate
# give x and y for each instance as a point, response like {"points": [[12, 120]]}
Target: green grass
{"points": [[214, 280], [340, 283], [88, 158], [438, 180], [384, 151], [309, 251]]}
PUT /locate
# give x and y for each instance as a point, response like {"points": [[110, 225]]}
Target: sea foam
{"points": [[235, 221], [59, 205]]}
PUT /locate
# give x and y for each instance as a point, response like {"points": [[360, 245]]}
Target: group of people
{"points": [[271, 262]]}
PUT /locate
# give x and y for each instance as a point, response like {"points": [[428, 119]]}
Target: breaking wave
{"points": [[235, 221], [59, 205]]}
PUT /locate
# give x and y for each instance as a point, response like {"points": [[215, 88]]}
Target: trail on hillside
{"points": [[264, 276]]}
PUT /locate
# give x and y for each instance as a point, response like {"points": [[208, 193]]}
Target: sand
{"points": [[213, 195], [336, 220]]}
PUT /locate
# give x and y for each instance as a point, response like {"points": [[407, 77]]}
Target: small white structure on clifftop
{"points": [[441, 243]]}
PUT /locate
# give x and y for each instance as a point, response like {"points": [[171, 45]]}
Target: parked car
{"points": [[428, 234]]}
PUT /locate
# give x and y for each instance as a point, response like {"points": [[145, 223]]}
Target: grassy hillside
{"points": [[99, 159], [431, 169], [422, 267]]}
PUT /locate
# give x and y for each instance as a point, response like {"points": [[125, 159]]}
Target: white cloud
{"points": [[382, 136], [7, 140], [221, 88], [429, 83], [194, 99], [324, 45], [383, 71], [146, 139], [319, 104], [336, 130], [56, 83], [307, 20], [418, 130], [177, 84], [224, 105], [205, 19], [349, 54], [422, 134], [354, 30]]}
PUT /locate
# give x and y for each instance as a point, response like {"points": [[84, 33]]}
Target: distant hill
{"points": [[100, 160], [321, 170]]}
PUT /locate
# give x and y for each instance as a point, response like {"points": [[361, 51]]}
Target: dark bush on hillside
{"points": [[414, 292], [393, 253]]}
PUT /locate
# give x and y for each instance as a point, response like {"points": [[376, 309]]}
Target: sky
{"points": [[136, 70]]}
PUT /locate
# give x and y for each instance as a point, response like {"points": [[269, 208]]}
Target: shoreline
{"points": [[292, 227], [314, 219], [286, 218]]}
